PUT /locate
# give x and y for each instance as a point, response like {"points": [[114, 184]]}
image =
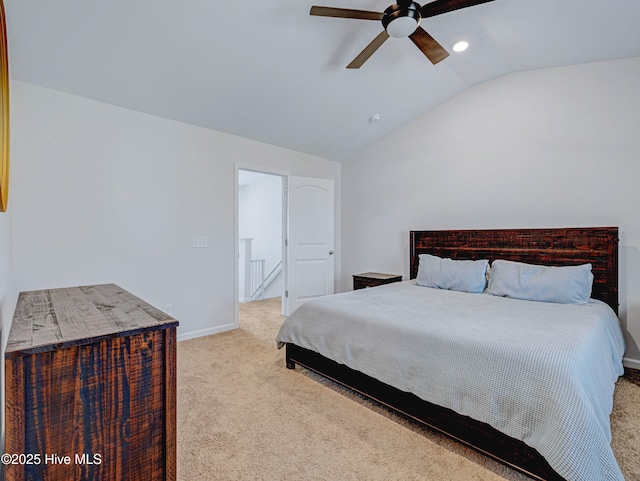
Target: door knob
{"points": [[330, 252]]}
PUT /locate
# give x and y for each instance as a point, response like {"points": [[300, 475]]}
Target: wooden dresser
{"points": [[90, 387]]}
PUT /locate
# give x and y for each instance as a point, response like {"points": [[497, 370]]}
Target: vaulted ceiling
{"points": [[269, 71]]}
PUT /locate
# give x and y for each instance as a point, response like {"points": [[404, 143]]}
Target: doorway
{"points": [[299, 214], [261, 230]]}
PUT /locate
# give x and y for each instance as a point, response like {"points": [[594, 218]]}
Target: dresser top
{"points": [[55, 318]]}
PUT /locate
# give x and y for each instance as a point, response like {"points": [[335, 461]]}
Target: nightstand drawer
{"points": [[373, 279]]}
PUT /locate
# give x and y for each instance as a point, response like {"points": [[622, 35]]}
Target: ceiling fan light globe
{"points": [[402, 27], [401, 20]]}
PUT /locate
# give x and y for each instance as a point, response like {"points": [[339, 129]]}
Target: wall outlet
{"points": [[200, 241]]}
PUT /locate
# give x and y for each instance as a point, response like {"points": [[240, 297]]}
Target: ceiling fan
{"points": [[402, 19]]}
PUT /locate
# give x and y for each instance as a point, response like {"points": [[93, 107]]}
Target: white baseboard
{"points": [[632, 363], [205, 332]]}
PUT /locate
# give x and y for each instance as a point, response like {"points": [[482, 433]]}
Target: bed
{"points": [[438, 393]]}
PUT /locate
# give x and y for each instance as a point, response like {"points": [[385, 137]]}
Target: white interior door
{"points": [[310, 270]]}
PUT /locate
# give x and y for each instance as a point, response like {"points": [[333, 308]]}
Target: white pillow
{"points": [[565, 285], [455, 275]]}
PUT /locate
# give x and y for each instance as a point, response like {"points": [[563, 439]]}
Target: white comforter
{"points": [[543, 373]]}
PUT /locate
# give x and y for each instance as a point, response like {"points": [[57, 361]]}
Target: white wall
{"points": [[7, 305], [260, 218], [548, 148], [7, 296], [104, 194]]}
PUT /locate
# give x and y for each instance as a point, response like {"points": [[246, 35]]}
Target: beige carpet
{"points": [[243, 416]]}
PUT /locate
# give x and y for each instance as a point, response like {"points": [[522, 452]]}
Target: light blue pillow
{"points": [[565, 285], [455, 275]]}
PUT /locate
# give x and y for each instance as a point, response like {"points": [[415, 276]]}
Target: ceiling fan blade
{"points": [[438, 7], [369, 50], [345, 13], [428, 46]]}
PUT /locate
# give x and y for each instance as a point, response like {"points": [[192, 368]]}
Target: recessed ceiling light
{"points": [[460, 46]]}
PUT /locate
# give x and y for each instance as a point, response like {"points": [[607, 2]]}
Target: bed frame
{"points": [[567, 246]]}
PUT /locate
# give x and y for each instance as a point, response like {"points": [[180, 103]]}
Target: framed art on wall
{"points": [[4, 113]]}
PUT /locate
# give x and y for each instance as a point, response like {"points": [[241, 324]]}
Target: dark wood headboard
{"points": [[552, 247]]}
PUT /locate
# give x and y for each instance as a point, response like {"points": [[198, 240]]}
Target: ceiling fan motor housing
{"points": [[401, 19]]}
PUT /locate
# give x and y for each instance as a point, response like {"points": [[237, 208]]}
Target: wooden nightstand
{"points": [[372, 279]]}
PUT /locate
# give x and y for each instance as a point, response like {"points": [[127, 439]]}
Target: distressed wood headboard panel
{"points": [[553, 247]]}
